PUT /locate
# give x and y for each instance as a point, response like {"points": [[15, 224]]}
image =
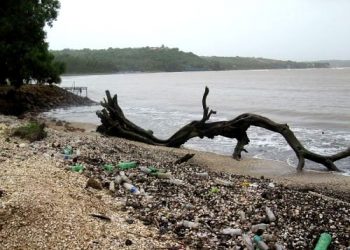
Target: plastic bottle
{"points": [[176, 182], [242, 215], [77, 168], [123, 177], [231, 231], [270, 214], [279, 247], [248, 242], [203, 174], [259, 226], [323, 242], [112, 186], [190, 224], [131, 188], [145, 170], [223, 182], [68, 150], [163, 175], [108, 167], [262, 245], [118, 179], [127, 165]]}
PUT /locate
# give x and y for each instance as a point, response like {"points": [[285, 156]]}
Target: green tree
{"points": [[23, 51]]}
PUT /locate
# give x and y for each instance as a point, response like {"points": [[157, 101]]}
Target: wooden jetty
{"points": [[77, 90]]}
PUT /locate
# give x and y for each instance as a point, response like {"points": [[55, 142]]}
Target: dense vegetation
{"points": [[150, 59], [23, 51], [338, 63]]}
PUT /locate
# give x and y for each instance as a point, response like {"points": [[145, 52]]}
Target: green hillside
{"points": [[161, 59], [232, 63]]}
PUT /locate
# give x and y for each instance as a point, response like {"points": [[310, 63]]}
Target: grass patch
{"points": [[32, 131]]}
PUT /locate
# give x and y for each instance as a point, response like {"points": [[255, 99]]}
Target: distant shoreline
{"points": [[156, 72], [164, 59]]}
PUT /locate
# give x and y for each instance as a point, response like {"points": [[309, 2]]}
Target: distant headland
{"points": [[164, 59]]}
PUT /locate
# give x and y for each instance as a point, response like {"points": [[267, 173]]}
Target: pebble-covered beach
{"points": [[187, 205]]}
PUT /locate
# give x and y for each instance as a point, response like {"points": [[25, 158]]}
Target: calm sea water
{"points": [[314, 102]]}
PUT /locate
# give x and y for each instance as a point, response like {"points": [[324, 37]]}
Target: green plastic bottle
{"points": [[108, 167], [323, 242], [127, 165], [78, 168]]}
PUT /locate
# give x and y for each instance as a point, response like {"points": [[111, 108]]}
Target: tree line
{"points": [[162, 59], [23, 51]]}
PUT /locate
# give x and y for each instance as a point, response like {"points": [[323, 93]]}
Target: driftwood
{"points": [[114, 123]]}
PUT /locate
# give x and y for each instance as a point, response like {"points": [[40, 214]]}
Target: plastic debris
{"points": [[270, 214], [127, 165], [176, 181], [323, 242], [145, 170], [245, 184], [242, 215], [160, 175], [271, 185], [223, 182], [279, 247], [261, 245], [190, 224], [112, 186], [214, 190], [254, 185], [67, 151], [231, 231], [108, 167], [131, 188], [261, 226], [248, 242], [79, 168], [203, 174]]}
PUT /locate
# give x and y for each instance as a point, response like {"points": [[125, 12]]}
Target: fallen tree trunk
{"points": [[114, 123]]}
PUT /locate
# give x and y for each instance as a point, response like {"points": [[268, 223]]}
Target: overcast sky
{"points": [[280, 29]]}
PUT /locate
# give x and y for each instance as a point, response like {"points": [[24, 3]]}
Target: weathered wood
{"points": [[115, 123]]}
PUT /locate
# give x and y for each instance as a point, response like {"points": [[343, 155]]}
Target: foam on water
{"points": [[315, 103]]}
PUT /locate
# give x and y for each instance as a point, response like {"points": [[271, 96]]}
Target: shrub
{"points": [[32, 131]]}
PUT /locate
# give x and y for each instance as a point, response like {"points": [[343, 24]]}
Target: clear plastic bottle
{"points": [[262, 245], [177, 182], [270, 214], [232, 231], [259, 226], [223, 182], [163, 175], [131, 188], [190, 224], [248, 242], [145, 170], [203, 174]]}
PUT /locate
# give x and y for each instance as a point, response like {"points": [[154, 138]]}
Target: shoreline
{"points": [[156, 72], [42, 196], [280, 172]]}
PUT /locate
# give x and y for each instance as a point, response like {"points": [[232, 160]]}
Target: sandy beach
{"points": [[44, 204]]}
